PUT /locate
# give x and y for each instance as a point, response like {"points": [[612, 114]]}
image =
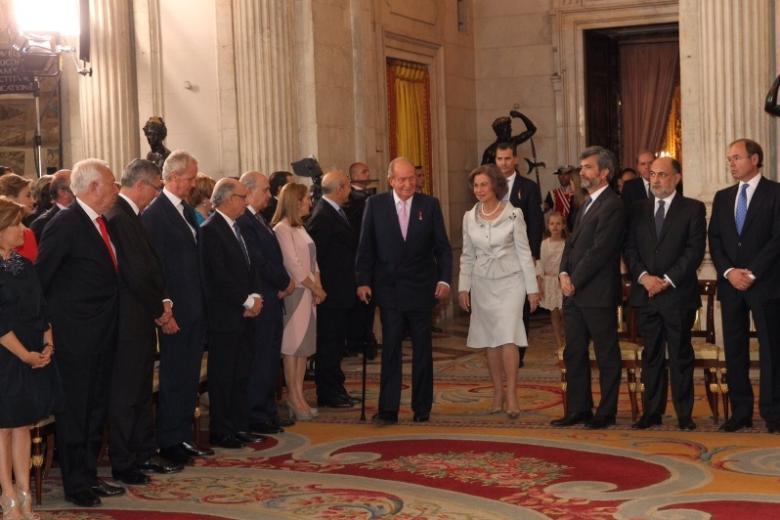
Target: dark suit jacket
{"points": [[267, 262], [677, 253], [403, 274], [591, 255], [39, 223], [227, 277], [355, 207], [757, 249], [524, 194], [79, 282], [336, 249], [633, 191], [141, 284], [177, 251], [268, 212]]}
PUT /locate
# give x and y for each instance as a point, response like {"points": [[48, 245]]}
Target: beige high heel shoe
{"points": [[10, 508], [24, 498], [298, 415]]}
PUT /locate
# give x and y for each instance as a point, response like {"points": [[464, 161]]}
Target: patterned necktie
{"points": [[403, 218], [344, 216], [107, 241], [660, 214], [586, 205], [263, 223], [241, 241], [741, 208]]}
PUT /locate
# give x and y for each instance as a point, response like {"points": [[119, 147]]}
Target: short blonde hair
{"points": [[11, 212], [11, 184], [289, 204]]}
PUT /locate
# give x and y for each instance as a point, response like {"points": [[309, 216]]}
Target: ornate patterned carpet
{"points": [[466, 464]]}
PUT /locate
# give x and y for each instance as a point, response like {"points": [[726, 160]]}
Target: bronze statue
{"points": [[156, 132], [771, 105], [502, 126]]}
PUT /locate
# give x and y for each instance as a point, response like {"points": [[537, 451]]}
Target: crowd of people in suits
{"points": [[115, 276]]}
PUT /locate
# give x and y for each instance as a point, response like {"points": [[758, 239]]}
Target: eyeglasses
{"points": [[734, 158], [155, 187], [243, 197], [661, 175]]}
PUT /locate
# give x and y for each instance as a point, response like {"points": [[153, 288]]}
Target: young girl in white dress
{"points": [[547, 268]]}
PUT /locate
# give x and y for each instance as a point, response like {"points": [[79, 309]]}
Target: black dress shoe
{"points": [[600, 422], [83, 498], [340, 401], [422, 417], [572, 419], [735, 424], [249, 437], [284, 422], [686, 423], [228, 441], [103, 489], [131, 477], [158, 464], [194, 451], [647, 421], [177, 455], [773, 426], [384, 419], [265, 428]]}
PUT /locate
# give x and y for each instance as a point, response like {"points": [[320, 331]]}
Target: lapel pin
{"points": [[419, 216]]}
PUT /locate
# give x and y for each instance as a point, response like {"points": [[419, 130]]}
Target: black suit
{"points": [[361, 330], [403, 275], [336, 249], [228, 280], [268, 212], [633, 191], [266, 330], [180, 353], [40, 222], [591, 257], [80, 282], [665, 320], [141, 291], [756, 249]]}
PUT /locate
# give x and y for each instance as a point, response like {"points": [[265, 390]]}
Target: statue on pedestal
{"points": [[771, 105], [156, 132], [502, 126]]}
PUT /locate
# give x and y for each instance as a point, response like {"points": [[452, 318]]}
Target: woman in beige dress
{"points": [[299, 340], [496, 272]]}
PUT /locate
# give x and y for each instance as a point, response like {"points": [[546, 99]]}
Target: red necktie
{"points": [[104, 233]]}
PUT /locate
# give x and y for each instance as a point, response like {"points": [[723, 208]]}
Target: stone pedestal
{"points": [[262, 33], [107, 99]]}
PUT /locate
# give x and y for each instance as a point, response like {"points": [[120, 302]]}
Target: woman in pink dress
{"points": [[17, 188], [299, 340]]}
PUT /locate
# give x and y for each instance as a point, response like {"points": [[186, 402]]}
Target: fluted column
{"points": [[109, 114], [725, 73], [263, 42]]}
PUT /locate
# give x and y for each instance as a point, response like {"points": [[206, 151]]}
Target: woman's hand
{"points": [[319, 294], [464, 300], [539, 283], [533, 301]]}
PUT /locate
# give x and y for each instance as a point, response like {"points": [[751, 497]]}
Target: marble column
{"points": [[109, 114], [725, 73], [264, 57]]}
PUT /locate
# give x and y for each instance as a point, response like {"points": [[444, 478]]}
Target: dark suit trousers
{"points": [[80, 425], [582, 325], [266, 352], [180, 359], [130, 412], [228, 372], [419, 323], [662, 328], [361, 326], [735, 314], [332, 329]]}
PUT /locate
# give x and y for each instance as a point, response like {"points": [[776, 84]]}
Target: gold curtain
{"points": [[673, 135], [409, 114]]}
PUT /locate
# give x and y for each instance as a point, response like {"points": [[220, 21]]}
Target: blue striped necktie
{"points": [[741, 208]]}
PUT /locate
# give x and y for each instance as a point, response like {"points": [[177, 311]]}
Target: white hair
{"points": [[176, 163], [86, 172]]}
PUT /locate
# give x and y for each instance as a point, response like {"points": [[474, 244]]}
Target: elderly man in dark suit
{"points": [[665, 245], [231, 302], [78, 268], [591, 286], [744, 237], [403, 258], [142, 306], [173, 231], [524, 194], [273, 285], [61, 198], [336, 244]]}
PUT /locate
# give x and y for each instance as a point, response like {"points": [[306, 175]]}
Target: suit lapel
{"points": [[650, 219], [94, 234], [175, 217], [415, 216], [224, 228], [755, 202], [392, 216]]}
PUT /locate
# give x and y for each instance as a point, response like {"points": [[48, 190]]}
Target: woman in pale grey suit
{"points": [[496, 272]]}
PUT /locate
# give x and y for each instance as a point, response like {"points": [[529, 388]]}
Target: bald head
{"points": [[335, 186], [259, 190]]}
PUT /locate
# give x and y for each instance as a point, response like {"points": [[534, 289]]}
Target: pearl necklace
{"points": [[482, 210]]}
